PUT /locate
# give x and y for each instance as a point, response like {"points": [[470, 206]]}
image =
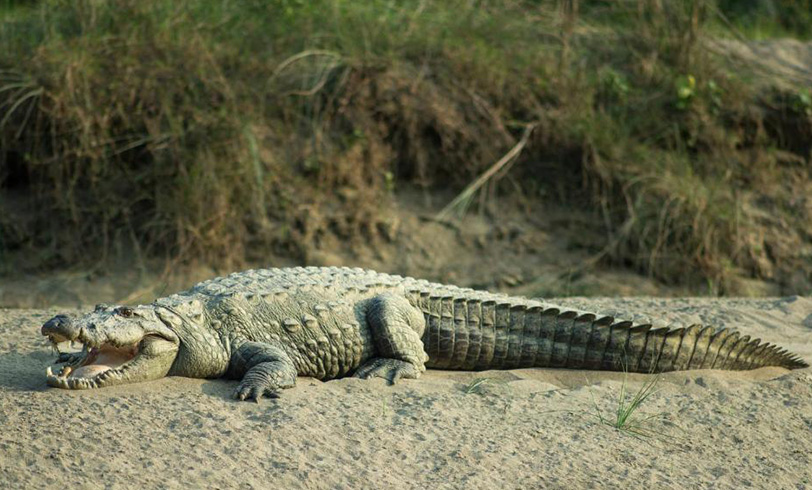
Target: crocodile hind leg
{"points": [[397, 328], [265, 370]]}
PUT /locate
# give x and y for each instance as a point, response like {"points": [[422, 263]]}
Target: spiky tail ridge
{"points": [[641, 348], [492, 332]]}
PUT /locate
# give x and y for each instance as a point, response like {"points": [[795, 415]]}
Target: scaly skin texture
{"points": [[266, 327]]}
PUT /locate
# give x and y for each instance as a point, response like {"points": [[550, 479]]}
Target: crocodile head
{"points": [[121, 344]]}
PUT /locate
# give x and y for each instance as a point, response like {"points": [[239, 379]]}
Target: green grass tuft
{"points": [[475, 386], [627, 416]]}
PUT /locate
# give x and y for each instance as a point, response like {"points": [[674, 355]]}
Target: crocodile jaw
{"points": [[117, 349], [108, 366]]}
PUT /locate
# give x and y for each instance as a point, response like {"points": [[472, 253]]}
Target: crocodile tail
{"points": [[615, 346], [478, 331]]}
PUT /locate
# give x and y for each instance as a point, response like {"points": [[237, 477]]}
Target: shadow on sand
{"points": [[24, 372]]}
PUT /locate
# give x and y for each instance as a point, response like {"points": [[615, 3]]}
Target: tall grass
{"points": [[222, 130]]}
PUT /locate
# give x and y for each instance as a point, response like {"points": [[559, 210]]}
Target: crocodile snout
{"points": [[60, 329]]}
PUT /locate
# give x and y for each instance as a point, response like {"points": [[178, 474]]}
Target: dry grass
{"points": [[219, 131]]}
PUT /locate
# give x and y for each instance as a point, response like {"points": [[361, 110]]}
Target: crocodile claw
{"points": [[389, 369], [250, 391]]}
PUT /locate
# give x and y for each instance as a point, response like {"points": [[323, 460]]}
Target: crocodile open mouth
{"points": [[93, 365]]}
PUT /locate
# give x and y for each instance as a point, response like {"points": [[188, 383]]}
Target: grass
{"points": [[384, 408], [626, 416], [475, 386], [224, 131], [765, 20], [459, 206]]}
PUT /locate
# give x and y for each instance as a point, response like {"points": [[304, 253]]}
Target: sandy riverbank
{"points": [[533, 428]]}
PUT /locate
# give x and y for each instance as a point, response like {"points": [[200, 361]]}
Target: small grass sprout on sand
{"points": [[475, 385], [384, 408], [627, 417]]}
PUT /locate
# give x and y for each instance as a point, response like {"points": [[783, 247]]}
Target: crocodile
{"points": [[266, 327]]}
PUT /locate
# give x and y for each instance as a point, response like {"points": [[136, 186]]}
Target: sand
{"points": [[529, 428]]}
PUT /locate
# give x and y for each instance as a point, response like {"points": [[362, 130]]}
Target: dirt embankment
{"points": [[669, 159], [532, 428], [511, 250]]}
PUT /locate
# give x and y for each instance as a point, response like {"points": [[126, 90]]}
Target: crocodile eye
{"points": [[125, 311]]}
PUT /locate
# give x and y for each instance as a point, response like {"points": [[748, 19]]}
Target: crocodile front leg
{"points": [[264, 368], [397, 328]]}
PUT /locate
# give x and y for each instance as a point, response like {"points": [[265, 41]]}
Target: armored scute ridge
{"points": [[266, 327]]}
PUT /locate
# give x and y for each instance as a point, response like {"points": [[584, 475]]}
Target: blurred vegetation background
{"points": [[670, 139]]}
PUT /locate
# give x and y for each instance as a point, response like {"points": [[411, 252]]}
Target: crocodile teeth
{"points": [[55, 380], [59, 379]]}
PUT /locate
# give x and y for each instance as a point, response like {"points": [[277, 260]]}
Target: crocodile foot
{"points": [[267, 379], [390, 369], [253, 390]]}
